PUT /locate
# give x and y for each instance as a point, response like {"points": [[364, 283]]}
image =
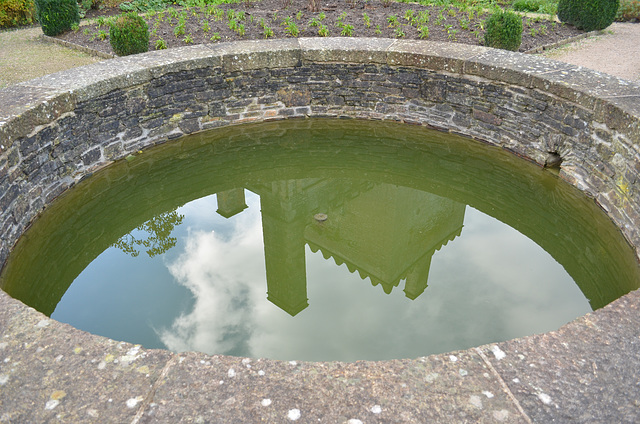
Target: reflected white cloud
{"points": [[227, 278]]}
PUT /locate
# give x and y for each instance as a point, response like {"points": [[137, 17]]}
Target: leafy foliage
{"points": [[629, 10], [588, 15], [504, 31], [129, 34], [158, 239], [16, 12], [57, 16]]}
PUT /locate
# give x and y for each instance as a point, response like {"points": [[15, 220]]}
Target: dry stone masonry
{"points": [[59, 129]]}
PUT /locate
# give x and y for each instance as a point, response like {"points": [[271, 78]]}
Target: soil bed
{"points": [[174, 27]]}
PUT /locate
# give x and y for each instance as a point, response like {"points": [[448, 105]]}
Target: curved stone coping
{"points": [[60, 128]]}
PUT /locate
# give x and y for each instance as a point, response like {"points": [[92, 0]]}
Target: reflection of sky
{"points": [[489, 284]]}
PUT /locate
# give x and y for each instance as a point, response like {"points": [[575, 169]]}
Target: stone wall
{"points": [[58, 129]]}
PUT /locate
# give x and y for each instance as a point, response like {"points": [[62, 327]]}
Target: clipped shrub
{"points": [[503, 31], [16, 12], [588, 15], [129, 34], [629, 10], [57, 16]]}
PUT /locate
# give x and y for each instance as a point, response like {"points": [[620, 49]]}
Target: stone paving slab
{"points": [[51, 372], [457, 387], [581, 373]]}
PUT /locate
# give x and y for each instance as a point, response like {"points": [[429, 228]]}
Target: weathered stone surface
{"points": [[456, 387], [50, 372], [59, 129], [345, 50], [440, 57], [580, 373]]}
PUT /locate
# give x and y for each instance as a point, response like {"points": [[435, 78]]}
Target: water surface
{"points": [[321, 240]]}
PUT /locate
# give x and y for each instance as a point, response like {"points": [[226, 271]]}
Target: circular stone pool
{"points": [[266, 240], [59, 129]]}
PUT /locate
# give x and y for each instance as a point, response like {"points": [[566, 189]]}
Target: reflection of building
{"points": [[386, 233]]}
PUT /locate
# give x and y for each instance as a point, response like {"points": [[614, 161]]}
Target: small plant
{"points": [[75, 27], [102, 35], [588, 15], [323, 31], [101, 21], [299, 15], [188, 39], [215, 37], [367, 20], [451, 34], [314, 22], [240, 30], [322, 16], [57, 16], [292, 29], [409, 14], [178, 31], [393, 21], [267, 32], [286, 21], [504, 31], [423, 32], [160, 44], [347, 31], [399, 33], [423, 17], [205, 27], [377, 31], [86, 31], [218, 14], [129, 34]]}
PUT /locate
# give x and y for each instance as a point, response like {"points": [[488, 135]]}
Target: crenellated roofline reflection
{"points": [[381, 231]]}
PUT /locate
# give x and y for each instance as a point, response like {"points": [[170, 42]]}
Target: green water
{"points": [[320, 240]]}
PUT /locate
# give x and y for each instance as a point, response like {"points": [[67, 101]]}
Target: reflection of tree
{"points": [[159, 238]]}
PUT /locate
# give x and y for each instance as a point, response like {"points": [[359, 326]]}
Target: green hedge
{"points": [[16, 12], [57, 16], [589, 15], [129, 34], [504, 31]]}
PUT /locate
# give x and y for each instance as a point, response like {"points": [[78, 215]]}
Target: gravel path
{"points": [[616, 52], [23, 55]]}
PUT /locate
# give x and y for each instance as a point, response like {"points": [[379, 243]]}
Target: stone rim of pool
{"points": [[585, 371]]}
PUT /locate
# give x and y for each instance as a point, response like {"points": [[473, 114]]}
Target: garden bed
{"points": [[180, 26]]}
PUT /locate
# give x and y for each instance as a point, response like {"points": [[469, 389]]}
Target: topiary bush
{"points": [[16, 12], [57, 16], [588, 15], [503, 31], [129, 34]]}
